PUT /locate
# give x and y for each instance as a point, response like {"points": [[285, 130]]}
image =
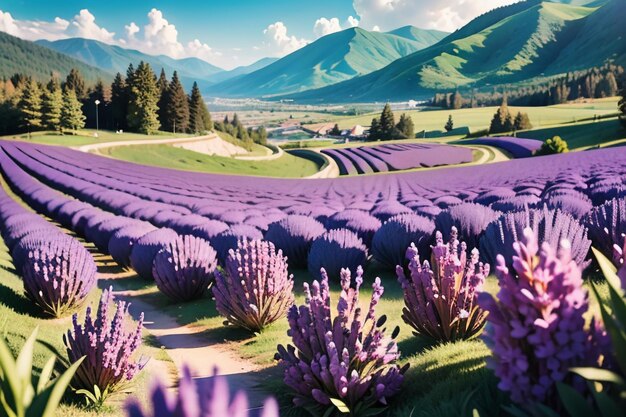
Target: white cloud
{"points": [[277, 42], [445, 15], [33, 29], [352, 22], [325, 26], [84, 26], [376, 28]]}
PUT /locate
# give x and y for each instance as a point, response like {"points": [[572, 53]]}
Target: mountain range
{"points": [[331, 59], [507, 45]]}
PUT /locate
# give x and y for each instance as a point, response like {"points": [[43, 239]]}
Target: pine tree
{"points": [[387, 123], [142, 102], [176, 107], [163, 86], [374, 130], [199, 116], [449, 125], [101, 94], [30, 106], [522, 122], [119, 102], [456, 100], [335, 130], [502, 120], [406, 127], [52, 105], [72, 117], [76, 82]]}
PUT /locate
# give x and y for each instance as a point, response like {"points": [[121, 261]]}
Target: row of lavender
{"points": [[312, 234], [396, 157], [517, 147]]}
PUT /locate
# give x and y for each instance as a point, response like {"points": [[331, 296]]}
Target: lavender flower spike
{"points": [[536, 327], [441, 302]]}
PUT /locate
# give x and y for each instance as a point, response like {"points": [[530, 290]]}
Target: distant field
{"points": [[480, 118], [86, 137], [287, 166], [582, 135]]}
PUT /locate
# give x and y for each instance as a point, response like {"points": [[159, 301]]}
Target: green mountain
{"points": [[113, 59], [423, 37], [507, 45], [20, 56], [334, 58], [242, 70]]}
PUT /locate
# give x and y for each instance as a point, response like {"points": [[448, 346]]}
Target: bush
{"points": [[396, 234], [469, 219], [335, 250], [58, 275], [107, 346], [122, 242], [552, 146], [147, 247], [22, 393], [345, 363], [607, 226], [441, 303], [255, 288], [294, 236], [536, 326], [184, 268], [210, 399]]}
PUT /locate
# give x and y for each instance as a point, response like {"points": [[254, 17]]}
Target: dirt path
{"points": [[331, 170], [95, 147]]}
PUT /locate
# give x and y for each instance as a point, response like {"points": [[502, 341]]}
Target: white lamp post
{"points": [[97, 104]]}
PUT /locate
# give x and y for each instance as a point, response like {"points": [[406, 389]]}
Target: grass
{"points": [[582, 136], [480, 118], [256, 149], [170, 157], [86, 137]]}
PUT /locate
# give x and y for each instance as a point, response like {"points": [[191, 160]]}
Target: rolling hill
{"points": [[333, 58], [423, 37], [507, 45], [242, 70], [113, 59], [17, 55]]}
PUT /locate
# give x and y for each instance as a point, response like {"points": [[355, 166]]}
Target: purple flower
{"points": [[335, 250], [536, 326], [396, 234], [255, 288], [294, 236], [107, 344], [346, 357], [441, 302]]}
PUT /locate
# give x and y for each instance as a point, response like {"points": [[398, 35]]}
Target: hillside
{"points": [[336, 57], [423, 37], [113, 59], [242, 70], [507, 45], [17, 55]]}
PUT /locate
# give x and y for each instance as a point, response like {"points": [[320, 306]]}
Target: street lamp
{"points": [[97, 104]]}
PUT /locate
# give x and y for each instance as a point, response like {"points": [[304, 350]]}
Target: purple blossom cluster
{"points": [[536, 325], [107, 344], [294, 236], [211, 399], [398, 233], [345, 357], [396, 157], [184, 268], [255, 288], [607, 227], [335, 250], [440, 301]]}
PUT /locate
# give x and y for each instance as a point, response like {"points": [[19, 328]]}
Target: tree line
{"points": [[386, 128], [237, 130], [597, 82], [137, 102], [503, 120]]}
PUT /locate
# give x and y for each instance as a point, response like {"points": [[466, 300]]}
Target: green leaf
{"points": [[12, 395], [599, 374], [606, 405], [574, 403], [608, 269], [341, 406], [47, 402], [618, 339], [46, 374]]}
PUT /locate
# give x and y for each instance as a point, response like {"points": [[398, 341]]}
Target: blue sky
{"points": [[225, 33]]}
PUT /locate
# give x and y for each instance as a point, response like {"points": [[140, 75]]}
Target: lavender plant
{"points": [[396, 234], [536, 326], [184, 269], [607, 226], [58, 275], [335, 250], [346, 363], [108, 345], [441, 302], [255, 288], [193, 400]]}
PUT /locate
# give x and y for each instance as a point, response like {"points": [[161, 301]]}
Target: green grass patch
{"points": [[86, 137], [581, 136], [167, 156]]}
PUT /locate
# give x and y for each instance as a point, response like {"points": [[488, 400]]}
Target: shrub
{"points": [[396, 234], [607, 226], [122, 242], [146, 248], [294, 236], [549, 225], [255, 288], [183, 269], [469, 219], [22, 393], [536, 326], [441, 302], [229, 239], [211, 399], [108, 347], [553, 146], [58, 275], [335, 250], [346, 363]]}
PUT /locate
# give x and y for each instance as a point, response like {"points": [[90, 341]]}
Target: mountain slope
{"points": [[20, 56], [423, 37], [331, 59], [115, 59], [506, 45], [242, 70]]}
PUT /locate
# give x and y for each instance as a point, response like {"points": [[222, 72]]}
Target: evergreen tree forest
{"points": [[385, 127], [137, 102]]}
